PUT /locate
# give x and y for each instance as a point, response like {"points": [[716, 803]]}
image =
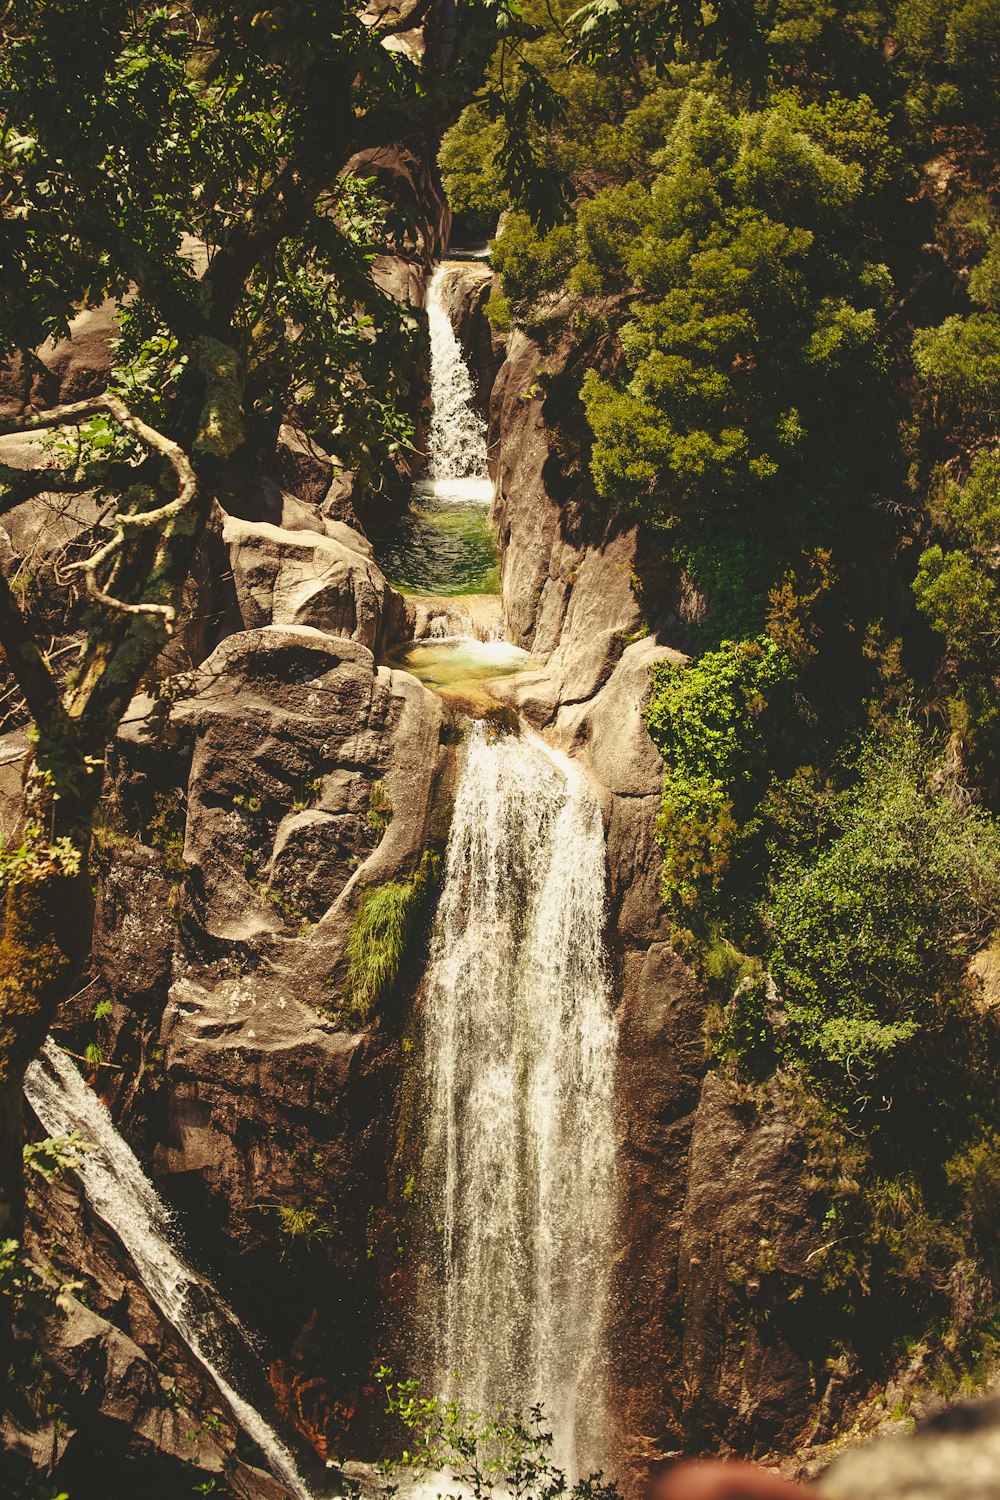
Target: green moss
{"points": [[385, 922], [379, 812]]}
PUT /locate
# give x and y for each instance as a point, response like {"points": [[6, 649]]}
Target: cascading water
{"points": [[457, 443], [124, 1198], [443, 543], [519, 1073]]}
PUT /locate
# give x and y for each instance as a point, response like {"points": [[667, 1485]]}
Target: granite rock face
{"points": [[71, 368], [467, 292], [290, 775], [114, 1395], [565, 569], [326, 580]]}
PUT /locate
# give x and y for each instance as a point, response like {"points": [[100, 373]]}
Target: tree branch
{"points": [[28, 666], [129, 523], [20, 485]]}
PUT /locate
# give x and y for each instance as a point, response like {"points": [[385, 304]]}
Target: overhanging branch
{"points": [[132, 523]]}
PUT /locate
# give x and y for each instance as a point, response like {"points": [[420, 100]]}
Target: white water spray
{"points": [[457, 443], [519, 1071], [121, 1195]]}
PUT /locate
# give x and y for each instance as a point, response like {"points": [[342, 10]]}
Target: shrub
{"points": [[872, 933], [705, 719]]}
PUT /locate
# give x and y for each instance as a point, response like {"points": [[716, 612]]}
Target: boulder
{"points": [[302, 467], [68, 369], [408, 179], [328, 581]]}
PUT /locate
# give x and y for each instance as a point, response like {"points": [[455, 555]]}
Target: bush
{"points": [[706, 721], [871, 935], [957, 588]]}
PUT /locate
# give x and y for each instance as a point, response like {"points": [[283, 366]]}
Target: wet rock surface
{"points": [[114, 1390]]}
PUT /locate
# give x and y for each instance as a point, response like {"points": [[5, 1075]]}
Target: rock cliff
{"points": [[277, 774]]}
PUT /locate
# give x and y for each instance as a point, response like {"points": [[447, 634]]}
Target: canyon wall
{"points": [[255, 799]]}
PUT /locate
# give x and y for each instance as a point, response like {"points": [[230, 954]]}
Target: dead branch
{"points": [[128, 523]]}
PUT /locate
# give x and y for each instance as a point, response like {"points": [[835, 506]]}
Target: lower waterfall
{"points": [[519, 1065], [122, 1196]]}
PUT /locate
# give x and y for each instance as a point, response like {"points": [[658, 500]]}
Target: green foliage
{"points": [[500, 1453], [386, 920], [38, 858], [379, 812], [975, 1173], [165, 831], [56, 1154], [957, 586], [531, 266], [950, 51], [706, 721], [470, 175], [870, 936], [751, 339], [303, 1227], [960, 362]]}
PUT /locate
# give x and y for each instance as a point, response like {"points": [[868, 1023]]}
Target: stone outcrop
{"points": [[748, 1239], [568, 562], [468, 290], [408, 179], [566, 572], [290, 775], [109, 1393], [661, 1053], [68, 369], [327, 580], [714, 1218]]}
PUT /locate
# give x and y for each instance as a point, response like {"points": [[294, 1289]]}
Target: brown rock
{"points": [[327, 581], [70, 369]]}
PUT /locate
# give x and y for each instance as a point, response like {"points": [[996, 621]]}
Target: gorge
{"points": [[498, 770]]}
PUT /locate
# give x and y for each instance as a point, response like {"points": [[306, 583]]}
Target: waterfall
{"points": [[457, 443], [519, 1073], [122, 1196]]}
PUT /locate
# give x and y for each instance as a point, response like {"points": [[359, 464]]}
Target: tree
{"points": [[190, 162], [957, 588], [753, 345], [959, 361], [950, 53]]}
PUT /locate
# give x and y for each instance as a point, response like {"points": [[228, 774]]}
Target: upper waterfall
{"points": [[121, 1194], [519, 1072], [457, 440]]}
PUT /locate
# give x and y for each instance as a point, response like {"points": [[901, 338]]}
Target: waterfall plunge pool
{"points": [[462, 662], [443, 544]]}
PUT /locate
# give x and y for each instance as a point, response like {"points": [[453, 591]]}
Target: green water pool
{"points": [[462, 662], [444, 543]]}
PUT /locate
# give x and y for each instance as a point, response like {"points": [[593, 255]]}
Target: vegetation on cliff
{"points": [[788, 287]]}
